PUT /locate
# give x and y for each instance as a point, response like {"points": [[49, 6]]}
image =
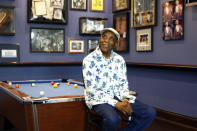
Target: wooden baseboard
{"points": [[174, 121]]}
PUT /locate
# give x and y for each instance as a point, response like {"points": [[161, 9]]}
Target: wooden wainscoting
{"points": [[169, 121]]}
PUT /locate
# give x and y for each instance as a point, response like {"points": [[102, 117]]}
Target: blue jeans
{"points": [[143, 115]]}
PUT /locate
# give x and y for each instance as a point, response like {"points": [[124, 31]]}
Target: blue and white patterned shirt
{"points": [[105, 78]]}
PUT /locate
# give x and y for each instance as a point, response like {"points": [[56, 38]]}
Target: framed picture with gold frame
{"points": [[7, 20], [120, 5], [144, 39], [143, 13], [97, 5], [76, 45]]}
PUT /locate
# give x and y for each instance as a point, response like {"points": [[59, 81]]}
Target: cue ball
{"points": [[75, 85], [10, 83], [41, 93], [33, 84]]}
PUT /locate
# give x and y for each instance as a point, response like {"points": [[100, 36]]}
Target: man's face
{"points": [[107, 42]]}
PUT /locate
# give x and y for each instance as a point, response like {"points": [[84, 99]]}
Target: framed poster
{"points": [[9, 53], [91, 26], [92, 44], [143, 13], [78, 5], [120, 5], [172, 19], [47, 40], [47, 11], [121, 24], [97, 5], [7, 20], [76, 45], [144, 39]]}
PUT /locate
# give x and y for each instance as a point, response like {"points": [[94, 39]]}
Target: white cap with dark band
{"points": [[111, 30]]}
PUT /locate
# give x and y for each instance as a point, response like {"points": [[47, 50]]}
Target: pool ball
{"points": [[10, 83], [41, 93], [33, 84], [75, 85], [17, 85], [52, 83], [55, 85]]}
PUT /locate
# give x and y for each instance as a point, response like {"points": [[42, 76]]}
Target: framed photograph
{"points": [[120, 5], [172, 19], [78, 5], [190, 2], [47, 11], [144, 39], [143, 13], [76, 45], [7, 20], [47, 40], [91, 26], [121, 24], [92, 44], [9, 53], [97, 5]]}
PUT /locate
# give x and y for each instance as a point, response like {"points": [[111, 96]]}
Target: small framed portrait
{"points": [[92, 44], [9, 53], [78, 5], [76, 45], [172, 17], [144, 39], [7, 20], [143, 13], [121, 24], [97, 5], [91, 26], [47, 40], [120, 5], [47, 11]]}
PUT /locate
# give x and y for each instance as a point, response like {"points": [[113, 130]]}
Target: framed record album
{"points": [[7, 20]]}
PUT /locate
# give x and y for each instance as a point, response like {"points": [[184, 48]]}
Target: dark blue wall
{"points": [[168, 89]]}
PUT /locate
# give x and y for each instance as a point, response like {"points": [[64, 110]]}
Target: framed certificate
{"points": [[9, 53]]}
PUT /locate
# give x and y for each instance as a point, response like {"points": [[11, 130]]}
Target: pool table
{"points": [[58, 109]]}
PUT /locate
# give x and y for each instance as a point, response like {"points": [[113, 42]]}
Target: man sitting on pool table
{"points": [[106, 91]]}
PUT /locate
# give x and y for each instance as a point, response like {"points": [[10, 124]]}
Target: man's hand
{"points": [[124, 107]]}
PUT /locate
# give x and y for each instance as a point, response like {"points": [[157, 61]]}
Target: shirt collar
{"points": [[101, 54]]}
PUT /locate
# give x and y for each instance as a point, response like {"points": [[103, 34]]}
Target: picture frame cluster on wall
{"points": [[47, 40], [47, 11], [91, 25], [7, 20], [172, 20]]}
